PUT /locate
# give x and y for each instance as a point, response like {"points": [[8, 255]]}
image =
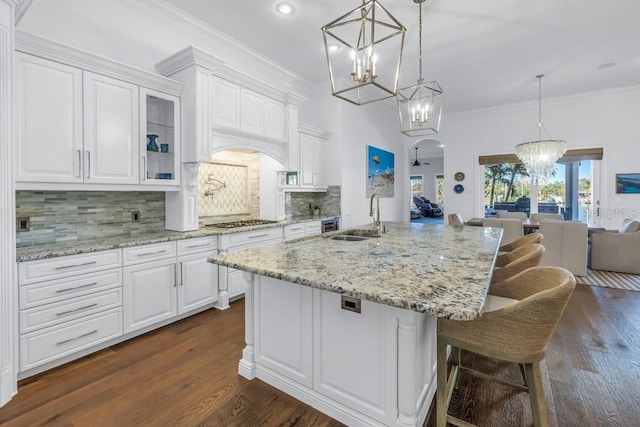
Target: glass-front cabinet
{"points": [[160, 137]]}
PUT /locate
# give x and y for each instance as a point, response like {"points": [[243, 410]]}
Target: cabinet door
{"points": [[307, 155], [199, 282], [320, 154], [225, 103], [149, 294], [49, 125], [251, 111], [110, 130], [159, 137], [274, 119]]}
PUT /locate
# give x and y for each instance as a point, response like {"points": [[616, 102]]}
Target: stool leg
{"points": [[536, 394], [441, 389]]}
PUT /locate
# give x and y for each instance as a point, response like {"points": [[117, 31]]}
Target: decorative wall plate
{"points": [[459, 176], [458, 188]]}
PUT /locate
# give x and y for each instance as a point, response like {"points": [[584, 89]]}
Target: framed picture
{"points": [[380, 172], [628, 183]]}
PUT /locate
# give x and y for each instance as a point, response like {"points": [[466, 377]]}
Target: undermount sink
{"points": [[348, 238], [361, 233]]}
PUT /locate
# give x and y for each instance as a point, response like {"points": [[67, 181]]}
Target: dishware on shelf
{"points": [[152, 145], [164, 148]]}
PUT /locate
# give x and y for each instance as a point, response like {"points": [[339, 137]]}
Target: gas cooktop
{"points": [[241, 223]]}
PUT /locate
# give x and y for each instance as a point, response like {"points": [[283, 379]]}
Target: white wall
{"points": [[268, 186], [600, 119]]}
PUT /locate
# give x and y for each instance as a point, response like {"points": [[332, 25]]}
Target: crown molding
{"points": [[37, 46], [312, 130], [195, 57], [21, 7]]}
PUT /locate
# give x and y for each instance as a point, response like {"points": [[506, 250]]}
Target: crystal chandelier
{"points": [[539, 157], [420, 106], [364, 51]]}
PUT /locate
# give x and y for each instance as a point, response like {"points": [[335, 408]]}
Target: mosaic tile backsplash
{"points": [[59, 216], [300, 205], [230, 185]]}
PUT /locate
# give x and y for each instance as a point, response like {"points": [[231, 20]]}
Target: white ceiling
{"points": [[483, 52]]}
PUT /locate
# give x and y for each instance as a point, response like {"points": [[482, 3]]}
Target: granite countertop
{"points": [[73, 247], [436, 269]]}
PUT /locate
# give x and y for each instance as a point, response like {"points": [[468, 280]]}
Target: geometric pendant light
{"points": [[364, 52], [420, 106]]}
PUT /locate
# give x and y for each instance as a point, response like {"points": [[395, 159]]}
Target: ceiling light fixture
{"points": [[285, 8], [540, 156], [420, 106], [367, 69]]}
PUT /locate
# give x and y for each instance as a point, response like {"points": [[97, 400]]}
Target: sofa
{"points": [[427, 209], [616, 250]]}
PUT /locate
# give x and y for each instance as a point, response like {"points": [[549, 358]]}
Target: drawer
{"points": [[191, 246], [144, 253], [54, 268], [293, 231], [248, 239], [312, 228], [62, 289], [52, 343], [75, 308]]}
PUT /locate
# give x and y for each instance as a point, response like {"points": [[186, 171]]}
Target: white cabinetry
{"points": [[198, 279], [110, 130], [313, 149], [79, 120], [149, 282], [302, 229], [68, 304], [49, 121], [232, 282], [225, 103]]}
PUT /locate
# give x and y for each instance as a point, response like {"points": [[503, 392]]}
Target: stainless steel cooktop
{"points": [[241, 223]]}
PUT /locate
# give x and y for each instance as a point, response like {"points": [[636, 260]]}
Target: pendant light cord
{"points": [[540, 76], [420, 43]]}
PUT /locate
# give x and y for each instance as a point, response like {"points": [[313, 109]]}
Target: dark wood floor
{"points": [[185, 374]]}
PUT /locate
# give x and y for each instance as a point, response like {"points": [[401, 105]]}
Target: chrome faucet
{"points": [[376, 221]]}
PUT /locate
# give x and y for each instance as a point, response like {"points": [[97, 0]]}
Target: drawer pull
{"points": [[78, 337], [259, 235], [152, 253], [62, 267], [77, 287], [62, 313], [198, 246]]}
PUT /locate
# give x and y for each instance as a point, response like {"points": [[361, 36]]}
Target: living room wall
{"points": [[598, 119]]}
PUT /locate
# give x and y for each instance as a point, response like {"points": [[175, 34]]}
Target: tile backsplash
{"points": [[59, 216], [297, 204]]}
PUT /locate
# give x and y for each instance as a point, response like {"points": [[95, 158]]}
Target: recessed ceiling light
{"points": [[285, 8], [333, 47]]}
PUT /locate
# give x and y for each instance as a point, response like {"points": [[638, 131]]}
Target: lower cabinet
{"points": [[197, 278], [149, 293]]}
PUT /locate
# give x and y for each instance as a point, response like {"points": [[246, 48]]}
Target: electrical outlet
{"points": [[23, 223], [348, 212], [135, 216]]}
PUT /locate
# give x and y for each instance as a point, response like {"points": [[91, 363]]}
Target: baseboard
{"points": [[8, 385]]}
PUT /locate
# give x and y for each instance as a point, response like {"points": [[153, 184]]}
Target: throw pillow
{"points": [[629, 226]]}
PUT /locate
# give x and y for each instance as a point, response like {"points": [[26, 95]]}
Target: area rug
{"points": [[608, 279]]}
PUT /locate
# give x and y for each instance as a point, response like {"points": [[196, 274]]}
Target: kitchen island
{"points": [[349, 327]]}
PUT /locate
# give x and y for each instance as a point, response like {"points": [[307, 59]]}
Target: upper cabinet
{"points": [[160, 134], [85, 122], [312, 165], [225, 103]]}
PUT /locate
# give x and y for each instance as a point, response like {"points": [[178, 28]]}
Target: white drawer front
{"points": [[50, 344], [54, 314], [313, 227], [249, 239], [144, 253], [62, 289], [191, 246], [293, 231], [54, 268]]}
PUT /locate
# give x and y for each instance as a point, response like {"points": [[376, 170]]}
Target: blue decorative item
{"points": [[152, 145], [458, 188]]}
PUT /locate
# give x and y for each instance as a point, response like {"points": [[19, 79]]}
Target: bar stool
{"points": [[520, 259], [518, 332], [525, 240]]}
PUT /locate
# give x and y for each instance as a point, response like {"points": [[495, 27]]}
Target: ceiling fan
{"points": [[418, 163]]}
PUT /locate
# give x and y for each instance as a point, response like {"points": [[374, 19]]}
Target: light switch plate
{"points": [[23, 223]]}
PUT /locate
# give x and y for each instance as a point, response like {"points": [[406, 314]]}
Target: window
{"points": [[440, 190]]}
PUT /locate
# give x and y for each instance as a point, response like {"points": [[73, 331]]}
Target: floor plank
{"points": [[185, 374]]}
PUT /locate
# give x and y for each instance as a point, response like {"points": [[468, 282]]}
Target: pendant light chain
{"points": [[540, 76], [420, 44]]}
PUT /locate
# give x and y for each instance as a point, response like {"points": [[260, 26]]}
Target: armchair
{"points": [[427, 208], [616, 250], [565, 244]]}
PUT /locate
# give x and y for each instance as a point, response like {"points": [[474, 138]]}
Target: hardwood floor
{"points": [[185, 374]]}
